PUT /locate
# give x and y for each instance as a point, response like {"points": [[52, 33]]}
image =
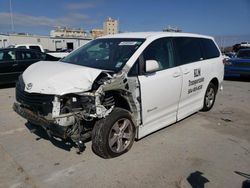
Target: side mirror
{"points": [[151, 66]]}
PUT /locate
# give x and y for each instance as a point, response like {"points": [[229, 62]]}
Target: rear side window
{"points": [[210, 49], [245, 54], [188, 49], [25, 55]]}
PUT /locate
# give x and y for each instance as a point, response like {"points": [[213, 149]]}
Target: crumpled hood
{"points": [[58, 78]]}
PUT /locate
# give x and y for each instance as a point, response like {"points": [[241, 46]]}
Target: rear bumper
{"points": [[50, 127]]}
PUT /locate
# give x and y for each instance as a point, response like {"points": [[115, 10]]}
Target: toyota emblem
{"points": [[29, 86]]}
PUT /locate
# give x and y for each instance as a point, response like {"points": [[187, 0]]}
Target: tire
{"points": [[114, 135], [209, 97]]}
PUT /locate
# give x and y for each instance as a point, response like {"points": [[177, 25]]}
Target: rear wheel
{"points": [[114, 135], [209, 97]]}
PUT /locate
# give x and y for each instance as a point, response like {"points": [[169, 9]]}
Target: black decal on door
{"points": [[197, 72]]}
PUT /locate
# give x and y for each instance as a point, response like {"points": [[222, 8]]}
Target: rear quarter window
{"points": [[210, 49], [40, 56]]}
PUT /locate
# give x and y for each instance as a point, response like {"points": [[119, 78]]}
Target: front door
{"points": [[8, 64], [160, 91]]}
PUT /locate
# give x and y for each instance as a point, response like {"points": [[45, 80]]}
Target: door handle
{"points": [[14, 65], [186, 71], [176, 74]]}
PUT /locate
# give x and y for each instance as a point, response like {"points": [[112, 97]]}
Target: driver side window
{"points": [[160, 51]]}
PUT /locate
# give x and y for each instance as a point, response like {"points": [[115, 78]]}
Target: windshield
{"points": [[108, 54], [244, 54]]}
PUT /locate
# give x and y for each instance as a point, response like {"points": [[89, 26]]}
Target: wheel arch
{"points": [[215, 81], [120, 100]]}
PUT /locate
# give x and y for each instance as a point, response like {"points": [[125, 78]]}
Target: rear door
{"points": [[8, 65], [194, 69], [160, 90]]}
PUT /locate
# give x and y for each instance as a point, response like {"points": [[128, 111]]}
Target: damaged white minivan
{"points": [[119, 88]]}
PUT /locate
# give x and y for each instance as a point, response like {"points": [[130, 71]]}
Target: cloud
{"points": [[80, 6], [72, 19]]}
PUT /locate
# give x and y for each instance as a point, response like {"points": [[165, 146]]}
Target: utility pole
{"points": [[11, 18]]}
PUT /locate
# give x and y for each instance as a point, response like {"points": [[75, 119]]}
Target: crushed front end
{"points": [[73, 116], [68, 116]]}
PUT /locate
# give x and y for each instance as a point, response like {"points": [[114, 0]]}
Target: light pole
{"points": [[11, 18]]}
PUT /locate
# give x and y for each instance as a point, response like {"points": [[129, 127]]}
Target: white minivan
{"points": [[122, 87]]}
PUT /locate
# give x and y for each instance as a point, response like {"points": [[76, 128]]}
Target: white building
{"points": [[4, 41], [68, 32], [48, 43], [97, 33]]}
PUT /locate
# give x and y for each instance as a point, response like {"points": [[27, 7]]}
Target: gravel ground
{"points": [[207, 149]]}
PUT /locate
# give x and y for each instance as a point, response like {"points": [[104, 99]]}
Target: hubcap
{"points": [[120, 135], [210, 97]]}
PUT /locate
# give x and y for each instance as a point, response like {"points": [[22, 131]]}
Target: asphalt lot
{"points": [[210, 149]]}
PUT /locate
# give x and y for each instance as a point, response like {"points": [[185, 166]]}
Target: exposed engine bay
{"points": [[73, 115]]}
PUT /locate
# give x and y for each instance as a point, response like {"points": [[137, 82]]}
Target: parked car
{"points": [[238, 47], [230, 54], [38, 47], [240, 65], [245, 44], [13, 61], [121, 87]]}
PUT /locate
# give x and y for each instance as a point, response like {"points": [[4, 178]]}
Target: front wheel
{"points": [[209, 97], [114, 135]]}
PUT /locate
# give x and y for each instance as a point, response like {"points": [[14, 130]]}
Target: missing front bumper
{"points": [[49, 127]]}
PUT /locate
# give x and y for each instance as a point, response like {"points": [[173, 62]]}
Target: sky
{"points": [[229, 19]]}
